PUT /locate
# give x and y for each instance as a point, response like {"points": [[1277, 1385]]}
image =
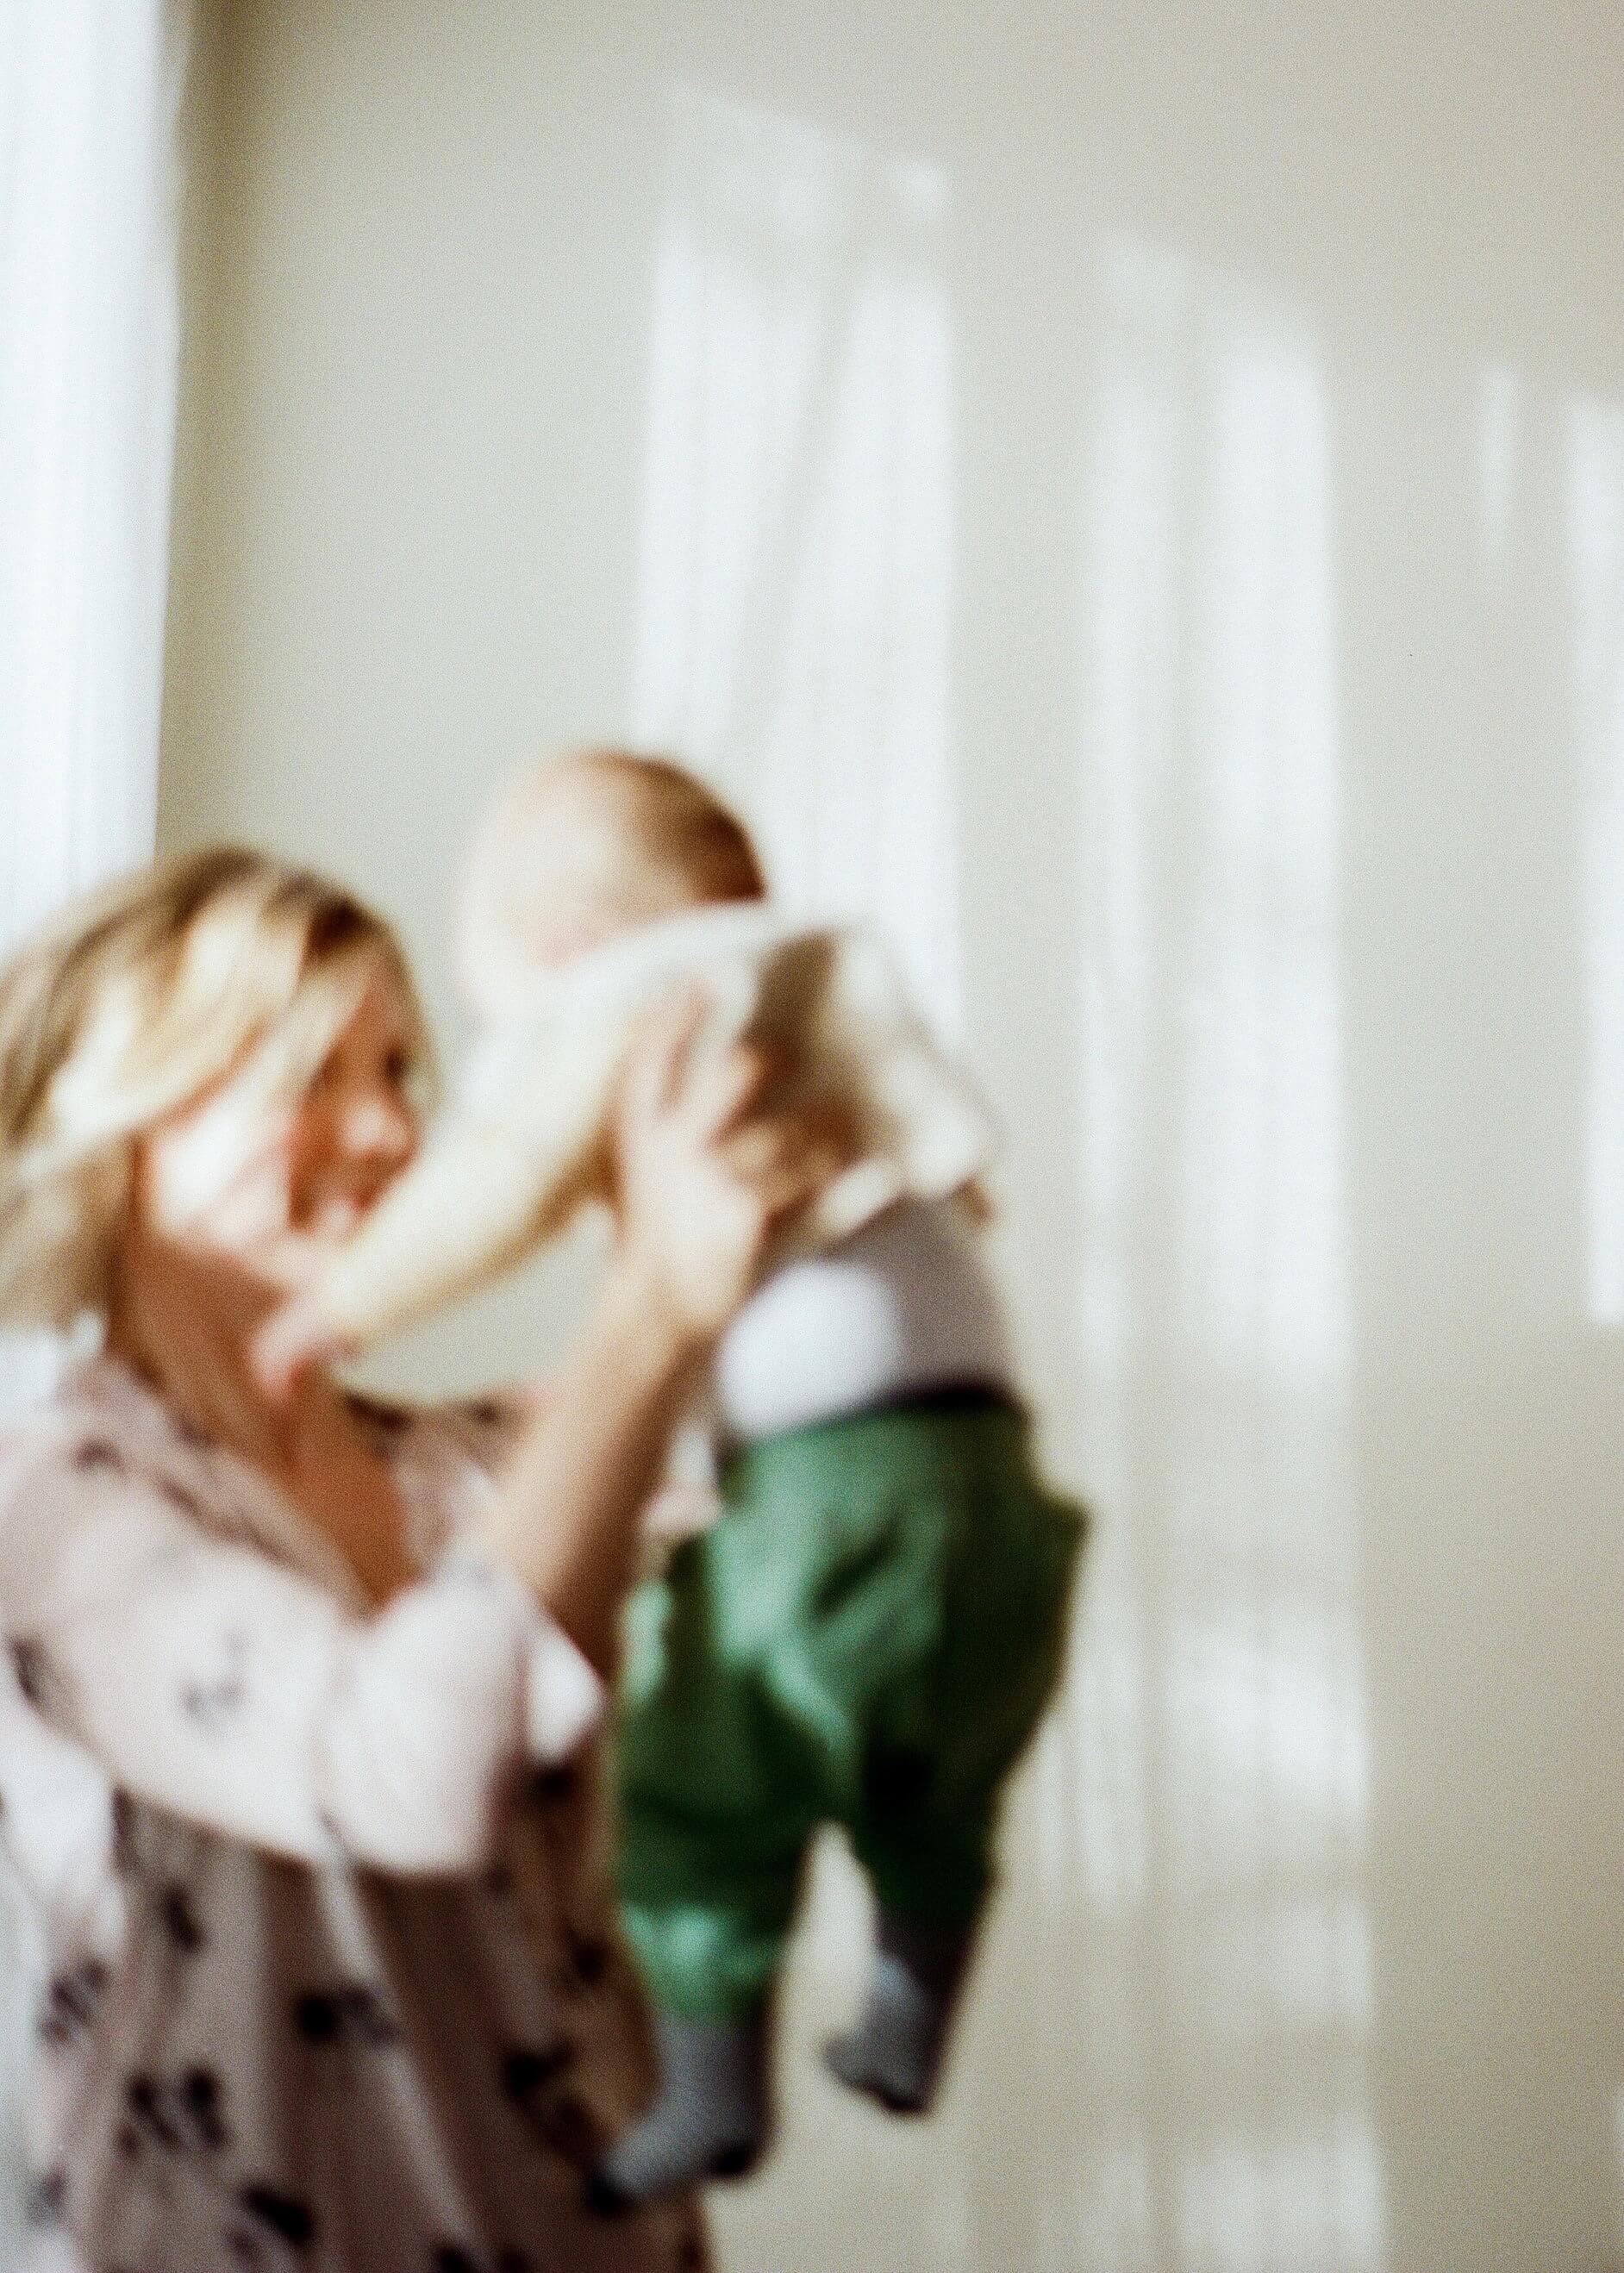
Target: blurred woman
{"points": [[297, 1742]]}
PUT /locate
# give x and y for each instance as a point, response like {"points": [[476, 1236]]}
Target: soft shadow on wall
{"points": [[1480, 862], [1210, 1296], [1166, 2065], [796, 585]]}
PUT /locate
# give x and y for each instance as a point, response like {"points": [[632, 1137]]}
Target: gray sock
{"points": [[895, 2053], [710, 2119]]}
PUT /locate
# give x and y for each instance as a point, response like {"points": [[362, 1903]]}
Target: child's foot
{"points": [[866, 2064], [711, 2120], [894, 2054]]}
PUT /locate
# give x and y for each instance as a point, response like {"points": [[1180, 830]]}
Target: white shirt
{"points": [[905, 1305]]}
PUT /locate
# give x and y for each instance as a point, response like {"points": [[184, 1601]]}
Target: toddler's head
{"points": [[583, 848]]}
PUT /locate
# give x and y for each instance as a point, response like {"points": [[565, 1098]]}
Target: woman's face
{"points": [[271, 1192]]}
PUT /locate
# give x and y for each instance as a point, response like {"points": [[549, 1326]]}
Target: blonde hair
{"points": [[138, 998], [678, 821]]}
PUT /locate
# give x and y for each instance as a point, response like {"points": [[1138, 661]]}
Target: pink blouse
{"points": [[320, 1892]]}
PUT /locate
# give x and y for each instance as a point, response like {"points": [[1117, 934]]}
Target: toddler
{"points": [[870, 1633]]}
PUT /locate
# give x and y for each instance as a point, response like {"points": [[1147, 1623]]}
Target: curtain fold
{"points": [[90, 94], [90, 98]]}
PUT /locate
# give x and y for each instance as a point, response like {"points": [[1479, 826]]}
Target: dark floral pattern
{"points": [[455, 2257], [349, 2013], [588, 1957], [536, 2082], [386, 1420], [275, 2216], [46, 2199], [186, 1502], [182, 2115], [527, 2069], [96, 1453], [125, 1844], [213, 1703], [178, 1916], [32, 1667], [72, 2001], [551, 1787]]}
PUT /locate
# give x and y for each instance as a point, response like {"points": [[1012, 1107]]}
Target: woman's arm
{"points": [[567, 1517], [703, 1177]]}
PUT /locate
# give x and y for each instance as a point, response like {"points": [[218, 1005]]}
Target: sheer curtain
{"points": [[89, 100], [89, 105]]}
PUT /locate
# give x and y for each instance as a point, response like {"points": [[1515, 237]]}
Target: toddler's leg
{"points": [[895, 2053], [932, 1874], [710, 2120], [712, 1835], [925, 1830]]}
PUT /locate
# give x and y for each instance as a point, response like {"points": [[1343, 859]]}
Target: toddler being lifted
{"points": [[869, 1634]]}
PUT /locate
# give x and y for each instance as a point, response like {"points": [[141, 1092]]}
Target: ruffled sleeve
{"points": [[211, 1681]]}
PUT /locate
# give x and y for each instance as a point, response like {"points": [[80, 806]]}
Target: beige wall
{"points": [[1135, 497]]}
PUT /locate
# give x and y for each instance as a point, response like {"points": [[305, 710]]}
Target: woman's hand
{"points": [[705, 1173], [702, 1175]]}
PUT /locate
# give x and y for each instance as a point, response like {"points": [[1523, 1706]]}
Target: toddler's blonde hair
{"points": [[609, 833], [138, 998]]}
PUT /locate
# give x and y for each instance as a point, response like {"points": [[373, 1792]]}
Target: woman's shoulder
{"points": [[107, 1445], [86, 1420], [58, 1457]]}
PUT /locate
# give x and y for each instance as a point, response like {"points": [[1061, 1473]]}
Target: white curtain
{"points": [[89, 105]]}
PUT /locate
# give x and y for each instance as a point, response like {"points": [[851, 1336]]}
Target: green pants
{"points": [[868, 1637]]}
